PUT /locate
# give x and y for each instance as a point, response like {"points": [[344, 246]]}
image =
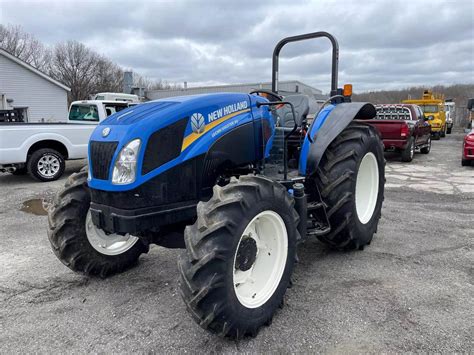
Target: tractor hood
{"points": [[169, 130]]}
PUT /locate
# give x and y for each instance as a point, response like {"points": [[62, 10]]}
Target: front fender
{"points": [[334, 123]]}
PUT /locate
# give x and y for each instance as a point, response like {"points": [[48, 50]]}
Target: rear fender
{"points": [[323, 133]]}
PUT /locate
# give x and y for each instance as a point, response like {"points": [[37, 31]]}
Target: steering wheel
{"points": [[268, 94]]}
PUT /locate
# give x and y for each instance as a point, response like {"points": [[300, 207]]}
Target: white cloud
{"points": [[384, 44]]}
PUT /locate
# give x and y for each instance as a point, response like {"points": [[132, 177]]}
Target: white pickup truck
{"points": [[40, 149]]}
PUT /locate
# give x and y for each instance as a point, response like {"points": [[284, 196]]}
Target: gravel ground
{"points": [[410, 290]]}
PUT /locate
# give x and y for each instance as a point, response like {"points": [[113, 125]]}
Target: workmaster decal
{"points": [[232, 111]]}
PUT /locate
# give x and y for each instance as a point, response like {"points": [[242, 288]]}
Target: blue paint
{"points": [[143, 120], [319, 121]]}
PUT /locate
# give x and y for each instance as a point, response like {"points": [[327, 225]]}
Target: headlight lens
{"points": [[125, 168]]}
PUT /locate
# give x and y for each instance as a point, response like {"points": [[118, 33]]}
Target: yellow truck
{"points": [[433, 107]]}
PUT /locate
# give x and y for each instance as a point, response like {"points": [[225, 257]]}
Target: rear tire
{"points": [[465, 162], [46, 165], [449, 130], [443, 132], [70, 237], [353, 224], [436, 136], [427, 149], [409, 152], [213, 283]]}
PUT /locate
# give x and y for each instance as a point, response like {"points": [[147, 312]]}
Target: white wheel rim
{"points": [[255, 286], [367, 187], [48, 165], [107, 244]]}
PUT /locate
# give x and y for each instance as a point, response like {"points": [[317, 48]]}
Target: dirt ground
{"points": [[410, 290]]}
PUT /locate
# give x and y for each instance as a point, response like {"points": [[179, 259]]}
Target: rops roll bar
{"points": [[335, 57]]}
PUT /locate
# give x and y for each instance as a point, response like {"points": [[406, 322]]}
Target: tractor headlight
{"points": [[125, 168]]}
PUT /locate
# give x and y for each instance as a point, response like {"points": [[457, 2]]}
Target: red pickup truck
{"points": [[403, 128], [468, 149]]}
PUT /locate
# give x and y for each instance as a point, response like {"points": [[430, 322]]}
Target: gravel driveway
{"points": [[410, 290]]}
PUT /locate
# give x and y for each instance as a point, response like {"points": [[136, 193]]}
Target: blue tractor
{"points": [[238, 180]]}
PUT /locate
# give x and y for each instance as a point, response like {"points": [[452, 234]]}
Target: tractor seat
{"points": [[301, 105]]}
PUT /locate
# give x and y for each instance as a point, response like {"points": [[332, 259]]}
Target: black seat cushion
{"points": [[301, 105]]}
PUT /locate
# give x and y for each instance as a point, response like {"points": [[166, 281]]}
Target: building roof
{"points": [[285, 87], [32, 69]]}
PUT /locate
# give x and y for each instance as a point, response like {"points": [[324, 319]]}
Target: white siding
{"points": [[45, 100]]}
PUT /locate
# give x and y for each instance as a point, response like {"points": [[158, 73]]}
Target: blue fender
{"points": [[331, 121]]}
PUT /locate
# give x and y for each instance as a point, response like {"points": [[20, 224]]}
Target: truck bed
{"points": [[17, 138]]}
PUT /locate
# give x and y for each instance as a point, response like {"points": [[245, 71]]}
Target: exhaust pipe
{"points": [[8, 169]]}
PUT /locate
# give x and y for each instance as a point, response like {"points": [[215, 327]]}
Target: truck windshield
{"points": [[84, 112], [429, 108]]}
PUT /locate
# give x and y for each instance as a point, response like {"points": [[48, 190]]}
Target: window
{"points": [[429, 108], [393, 113], [84, 112], [110, 109]]}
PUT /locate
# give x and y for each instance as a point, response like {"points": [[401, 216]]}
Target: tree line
{"points": [[72, 63]]}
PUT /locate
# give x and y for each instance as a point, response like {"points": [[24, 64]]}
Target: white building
{"points": [[30, 92]]}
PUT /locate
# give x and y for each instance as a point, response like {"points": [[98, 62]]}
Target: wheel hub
{"points": [[246, 254], [106, 243], [48, 165], [260, 259]]}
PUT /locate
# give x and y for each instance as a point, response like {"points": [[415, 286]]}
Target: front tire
{"points": [[46, 165], [80, 245], [351, 178], [239, 256]]}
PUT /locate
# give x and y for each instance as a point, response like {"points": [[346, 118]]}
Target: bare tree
{"points": [[84, 71], [71, 63], [24, 46]]}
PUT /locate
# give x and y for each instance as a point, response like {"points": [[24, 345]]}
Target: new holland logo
{"points": [[105, 132], [197, 123]]}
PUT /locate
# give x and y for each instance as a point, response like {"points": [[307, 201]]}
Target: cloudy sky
{"points": [[383, 43]]}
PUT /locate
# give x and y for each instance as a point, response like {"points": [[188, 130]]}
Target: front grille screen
{"points": [[164, 145], [101, 158]]}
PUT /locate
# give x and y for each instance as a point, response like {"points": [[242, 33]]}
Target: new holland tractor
{"points": [[238, 180]]}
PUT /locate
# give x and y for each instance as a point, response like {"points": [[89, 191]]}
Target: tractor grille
{"points": [[101, 157], [164, 145]]}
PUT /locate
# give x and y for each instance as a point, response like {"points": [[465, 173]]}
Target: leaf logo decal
{"points": [[197, 123]]}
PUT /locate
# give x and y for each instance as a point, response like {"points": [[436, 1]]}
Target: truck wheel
{"points": [[46, 164], [443, 132], [78, 243], [426, 150], [239, 256], [351, 178], [436, 136], [465, 162], [409, 152]]}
